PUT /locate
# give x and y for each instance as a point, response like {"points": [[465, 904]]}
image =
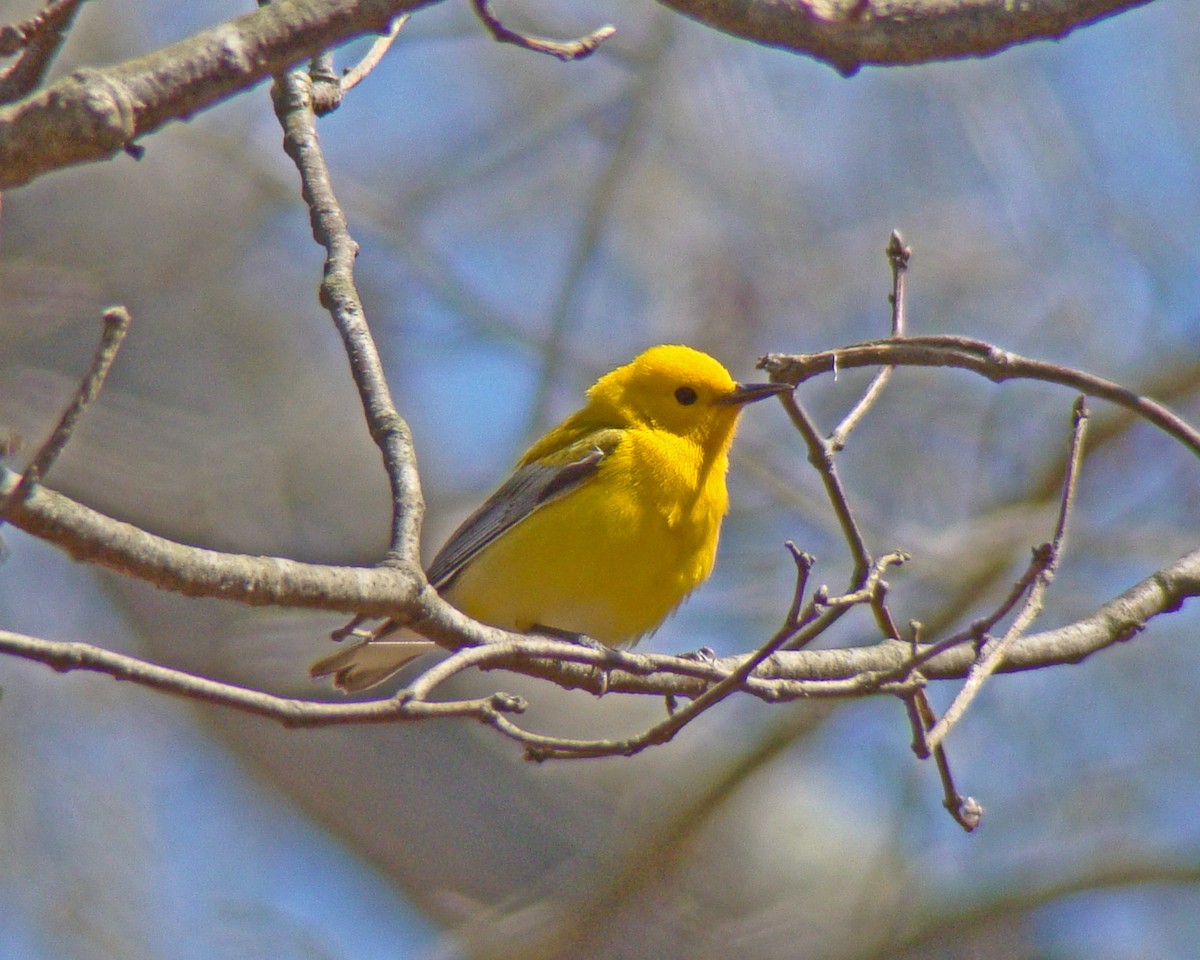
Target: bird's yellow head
{"points": [[678, 389]]}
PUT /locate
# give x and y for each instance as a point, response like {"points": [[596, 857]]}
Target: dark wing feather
{"points": [[530, 487]]}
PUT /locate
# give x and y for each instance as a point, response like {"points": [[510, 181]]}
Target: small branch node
{"points": [[509, 702], [966, 811], [897, 253], [804, 564], [326, 87]]}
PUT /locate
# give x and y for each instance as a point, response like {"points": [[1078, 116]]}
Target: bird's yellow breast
{"points": [[614, 557]]}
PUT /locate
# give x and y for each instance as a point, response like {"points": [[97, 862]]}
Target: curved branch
{"points": [[848, 34], [979, 357]]}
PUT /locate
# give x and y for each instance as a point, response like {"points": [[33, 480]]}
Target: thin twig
{"points": [[992, 653], [821, 457], [355, 75], [487, 655], [966, 811], [564, 50], [978, 631], [291, 712], [804, 564], [116, 322], [292, 97], [898, 256]]}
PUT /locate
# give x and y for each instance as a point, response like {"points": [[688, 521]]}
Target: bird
{"points": [[607, 523]]}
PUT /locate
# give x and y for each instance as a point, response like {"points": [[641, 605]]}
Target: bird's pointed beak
{"points": [[753, 392]]}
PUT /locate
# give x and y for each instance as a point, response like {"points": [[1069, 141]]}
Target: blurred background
{"points": [[525, 225]]}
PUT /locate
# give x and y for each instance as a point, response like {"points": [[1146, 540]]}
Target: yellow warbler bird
{"points": [[608, 522]]}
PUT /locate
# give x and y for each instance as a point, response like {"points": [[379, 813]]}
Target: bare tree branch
{"points": [[84, 534], [359, 72], [898, 256], [290, 712], [979, 357], [1045, 562], [94, 114], [88, 535], [564, 50], [116, 323], [848, 34], [844, 673], [292, 95]]}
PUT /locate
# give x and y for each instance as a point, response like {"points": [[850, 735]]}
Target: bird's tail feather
{"points": [[368, 662]]}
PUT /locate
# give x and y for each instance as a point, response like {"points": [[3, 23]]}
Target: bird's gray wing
{"points": [[532, 485]]}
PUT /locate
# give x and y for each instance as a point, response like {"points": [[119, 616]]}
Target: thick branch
{"points": [[792, 675], [93, 115], [848, 34], [88, 535]]}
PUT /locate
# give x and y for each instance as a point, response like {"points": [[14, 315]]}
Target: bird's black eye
{"points": [[686, 396]]}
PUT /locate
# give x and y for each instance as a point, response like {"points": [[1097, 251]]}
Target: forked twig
{"points": [[898, 256], [799, 614], [564, 50], [977, 632], [992, 653], [965, 810]]}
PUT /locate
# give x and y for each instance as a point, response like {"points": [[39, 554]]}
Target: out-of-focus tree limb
{"points": [[94, 114], [848, 34], [942, 926]]}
